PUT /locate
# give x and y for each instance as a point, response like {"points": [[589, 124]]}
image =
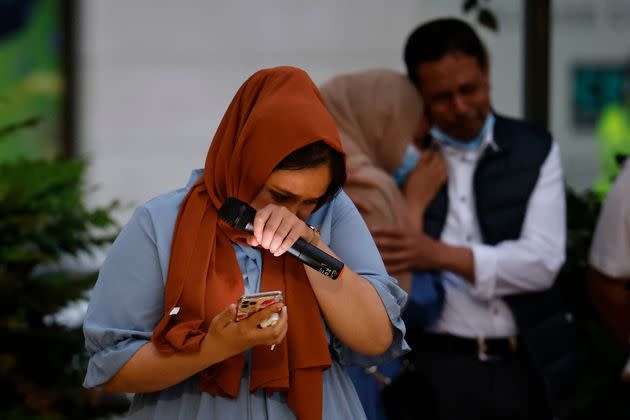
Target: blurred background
{"points": [[154, 77], [148, 80], [133, 90]]}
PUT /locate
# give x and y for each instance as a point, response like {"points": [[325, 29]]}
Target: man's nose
{"points": [[459, 105]]}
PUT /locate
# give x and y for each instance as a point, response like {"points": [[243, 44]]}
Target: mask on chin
{"points": [[456, 143]]}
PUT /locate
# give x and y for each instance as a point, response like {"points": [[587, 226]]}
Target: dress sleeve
{"points": [[351, 240], [127, 302]]}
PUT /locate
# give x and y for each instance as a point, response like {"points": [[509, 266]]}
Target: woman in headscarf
{"points": [[161, 321], [390, 179], [379, 116]]}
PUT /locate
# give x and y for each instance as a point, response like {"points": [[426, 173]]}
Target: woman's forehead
{"points": [[307, 183]]}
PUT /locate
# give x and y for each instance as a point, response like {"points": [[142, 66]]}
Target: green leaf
{"points": [[468, 5], [25, 123], [486, 18]]}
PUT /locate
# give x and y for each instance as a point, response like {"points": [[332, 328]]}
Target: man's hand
{"points": [[405, 249]]}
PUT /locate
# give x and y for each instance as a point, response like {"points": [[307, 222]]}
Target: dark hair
{"points": [[314, 155], [433, 40]]}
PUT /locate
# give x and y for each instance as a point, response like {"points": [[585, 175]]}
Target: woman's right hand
{"points": [[231, 337]]}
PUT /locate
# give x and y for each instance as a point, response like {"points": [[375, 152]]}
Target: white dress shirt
{"points": [[527, 264]]}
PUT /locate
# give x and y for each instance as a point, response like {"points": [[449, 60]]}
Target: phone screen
{"points": [[250, 304]]}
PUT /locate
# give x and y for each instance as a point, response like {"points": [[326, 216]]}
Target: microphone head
{"points": [[237, 214]]}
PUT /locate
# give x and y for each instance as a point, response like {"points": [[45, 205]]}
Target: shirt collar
{"points": [[486, 140], [194, 176], [251, 252]]}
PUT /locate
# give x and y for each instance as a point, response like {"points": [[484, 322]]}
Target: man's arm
{"points": [[529, 263], [611, 297], [608, 278]]}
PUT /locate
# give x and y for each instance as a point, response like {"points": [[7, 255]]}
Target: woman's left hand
{"points": [[276, 229]]}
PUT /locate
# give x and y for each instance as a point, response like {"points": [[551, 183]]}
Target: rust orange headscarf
{"points": [[275, 112]]}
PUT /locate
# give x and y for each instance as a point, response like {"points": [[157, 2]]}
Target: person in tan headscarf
{"points": [[380, 120], [162, 320]]}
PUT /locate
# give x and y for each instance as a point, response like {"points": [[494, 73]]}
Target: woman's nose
{"points": [[304, 211], [293, 208]]}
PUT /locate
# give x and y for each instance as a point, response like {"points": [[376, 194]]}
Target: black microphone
{"points": [[240, 215]]}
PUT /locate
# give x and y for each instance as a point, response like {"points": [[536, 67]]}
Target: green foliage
{"points": [[32, 84], [582, 212], [485, 16], [43, 219]]}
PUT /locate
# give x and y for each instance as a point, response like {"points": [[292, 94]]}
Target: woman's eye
{"points": [[280, 198]]}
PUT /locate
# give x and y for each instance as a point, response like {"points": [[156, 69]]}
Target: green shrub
{"points": [[43, 219]]}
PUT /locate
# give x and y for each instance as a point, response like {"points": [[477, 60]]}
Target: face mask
{"points": [[408, 163], [472, 144]]}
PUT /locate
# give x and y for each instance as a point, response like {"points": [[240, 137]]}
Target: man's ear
{"points": [[485, 70], [418, 83], [426, 115], [422, 130]]}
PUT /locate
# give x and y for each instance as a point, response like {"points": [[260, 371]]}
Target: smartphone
{"points": [[250, 304]]}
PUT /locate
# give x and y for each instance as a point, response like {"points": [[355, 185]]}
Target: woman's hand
{"points": [[148, 370], [276, 229], [423, 183], [233, 337]]}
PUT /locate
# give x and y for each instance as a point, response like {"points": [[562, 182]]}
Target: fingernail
{"points": [[273, 346]]}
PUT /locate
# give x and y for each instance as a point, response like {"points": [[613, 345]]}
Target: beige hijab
{"points": [[377, 113]]}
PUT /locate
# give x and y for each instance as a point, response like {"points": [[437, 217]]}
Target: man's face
{"points": [[456, 93]]}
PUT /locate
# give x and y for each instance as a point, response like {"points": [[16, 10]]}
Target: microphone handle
{"points": [[312, 256], [316, 258]]}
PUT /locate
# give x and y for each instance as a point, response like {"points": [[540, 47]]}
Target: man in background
{"points": [[496, 232]]}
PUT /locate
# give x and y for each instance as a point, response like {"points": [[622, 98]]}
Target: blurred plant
{"points": [[582, 212], [32, 82], [43, 218], [485, 16]]}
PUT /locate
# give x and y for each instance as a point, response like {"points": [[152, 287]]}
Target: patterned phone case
{"points": [[250, 304]]}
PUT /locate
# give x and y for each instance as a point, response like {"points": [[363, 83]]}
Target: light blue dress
{"points": [[127, 303]]}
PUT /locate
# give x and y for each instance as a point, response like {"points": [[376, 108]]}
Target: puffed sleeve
{"points": [[127, 302], [346, 233]]}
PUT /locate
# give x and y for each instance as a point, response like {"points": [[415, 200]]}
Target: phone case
{"points": [[249, 304]]}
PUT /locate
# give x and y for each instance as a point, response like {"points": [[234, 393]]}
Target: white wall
{"points": [[156, 75], [584, 31]]}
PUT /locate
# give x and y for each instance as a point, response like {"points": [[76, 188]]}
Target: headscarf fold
{"points": [[275, 112], [378, 113]]}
